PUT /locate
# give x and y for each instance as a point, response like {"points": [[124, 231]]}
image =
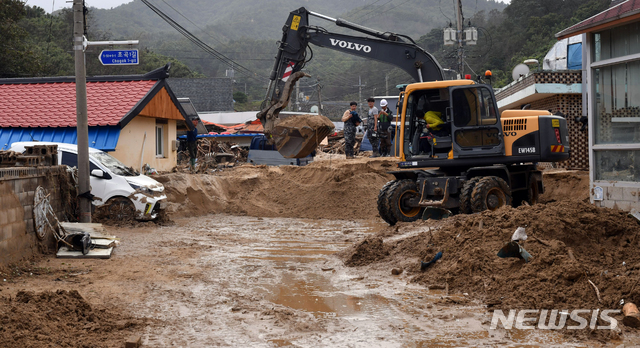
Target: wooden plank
{"points": [[65, 253], [97, 231], [103, 243]]}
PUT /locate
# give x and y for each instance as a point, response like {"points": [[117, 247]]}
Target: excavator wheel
{"points": [[398, 194], [383, 204], [465, 194], [490, 193]]}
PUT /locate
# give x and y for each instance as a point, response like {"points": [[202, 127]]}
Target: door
{"points": [[98, 185], [476, 127]]}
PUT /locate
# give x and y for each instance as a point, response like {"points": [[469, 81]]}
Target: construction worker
{"points": [[384, 122], [192, 145], [372, 127], [351, 121]]}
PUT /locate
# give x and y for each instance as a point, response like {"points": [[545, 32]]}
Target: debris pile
{"points": [[34, 156], [211, 155], [572, 244], [322, 189], [334, 144], [62, 319]]}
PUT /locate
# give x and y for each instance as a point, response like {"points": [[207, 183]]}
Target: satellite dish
{"points": [[531, 62], [519, 71]]}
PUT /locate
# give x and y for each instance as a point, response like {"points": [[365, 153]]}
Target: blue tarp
{"points": [[574, 56], [104, 138]]}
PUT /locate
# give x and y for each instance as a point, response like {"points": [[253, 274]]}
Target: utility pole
{"points": [[359, 85], [459, 38], [386, 84], [84, 187], [297, 96], [319, 99]]}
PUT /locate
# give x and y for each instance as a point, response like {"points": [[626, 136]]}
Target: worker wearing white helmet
{"points": [[384, 122]]}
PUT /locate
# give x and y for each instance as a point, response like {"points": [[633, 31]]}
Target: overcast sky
{"points": [[47, 5]]}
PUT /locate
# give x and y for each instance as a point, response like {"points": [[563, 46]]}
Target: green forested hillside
{"points": [[263, 19], [38, 44]]}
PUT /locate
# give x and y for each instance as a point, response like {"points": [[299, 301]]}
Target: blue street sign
{"points": [[119, 57]]}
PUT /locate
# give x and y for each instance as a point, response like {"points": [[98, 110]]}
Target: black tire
{"points": [[121, 208], [465, 195], [383, 204], [490, 193], [397, 194]]}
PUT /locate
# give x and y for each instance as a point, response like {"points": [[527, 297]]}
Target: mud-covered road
{"points": [[229, 281]]}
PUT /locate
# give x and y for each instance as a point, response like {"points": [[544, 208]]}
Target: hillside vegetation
{"points": [[246, 31]]}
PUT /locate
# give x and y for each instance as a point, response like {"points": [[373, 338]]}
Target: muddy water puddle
{"points": [[276, 282]]}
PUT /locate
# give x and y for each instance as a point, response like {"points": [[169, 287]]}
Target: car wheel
{"points": [[121, 208]]}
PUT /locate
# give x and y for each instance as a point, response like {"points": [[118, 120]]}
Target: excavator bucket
{"points": [[294, 136], [299, 136]]}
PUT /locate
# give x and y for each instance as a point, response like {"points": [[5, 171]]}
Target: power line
{"points": [[195, 40], [373, 10], [379, 13], [190, 21]]}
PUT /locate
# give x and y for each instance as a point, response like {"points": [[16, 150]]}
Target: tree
{"points": [[239, 97], [16, 57]]}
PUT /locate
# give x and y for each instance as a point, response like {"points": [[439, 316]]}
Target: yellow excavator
{"points": [[477, 160]]}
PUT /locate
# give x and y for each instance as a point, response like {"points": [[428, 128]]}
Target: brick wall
{"points": [[565, 78], [515, 88], [571, 106], [18, 240]]}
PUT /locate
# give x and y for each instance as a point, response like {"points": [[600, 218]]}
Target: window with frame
{"points": [[160, 140], [616, 103], [475, 107]]}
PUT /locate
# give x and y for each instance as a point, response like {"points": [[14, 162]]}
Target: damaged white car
{"points": [[122, 188]]}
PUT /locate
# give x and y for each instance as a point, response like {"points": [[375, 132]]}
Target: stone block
{"points": [[17, 186], [133, 342], [614, 193], [24, 198], [6, 232], [630, 194], [30, 196], [4, 217], [28, 211], [608, 203], [30, 226], [627, 206], [19, 228], [12, 216]]}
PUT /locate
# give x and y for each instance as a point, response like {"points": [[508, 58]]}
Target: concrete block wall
{"points": [[18, 240], [620, 196]]}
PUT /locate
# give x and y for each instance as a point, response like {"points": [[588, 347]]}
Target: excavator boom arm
{"points": [[297, 34]]}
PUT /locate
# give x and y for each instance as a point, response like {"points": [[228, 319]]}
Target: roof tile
{"points": [[54, 104]]}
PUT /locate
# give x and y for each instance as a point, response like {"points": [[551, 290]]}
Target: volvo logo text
{"points": [[350, 45]]}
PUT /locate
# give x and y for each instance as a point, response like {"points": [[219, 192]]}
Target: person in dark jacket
{"points": [[192, 145], [351, 121], [385, 115]]}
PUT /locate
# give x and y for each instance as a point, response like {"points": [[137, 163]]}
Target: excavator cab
{"points": [[452, 119]]}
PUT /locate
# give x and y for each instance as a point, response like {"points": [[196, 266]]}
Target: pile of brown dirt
{"points": [[60, 319], [324, 189], [562, 185], [571, 242], [299, 121]]}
